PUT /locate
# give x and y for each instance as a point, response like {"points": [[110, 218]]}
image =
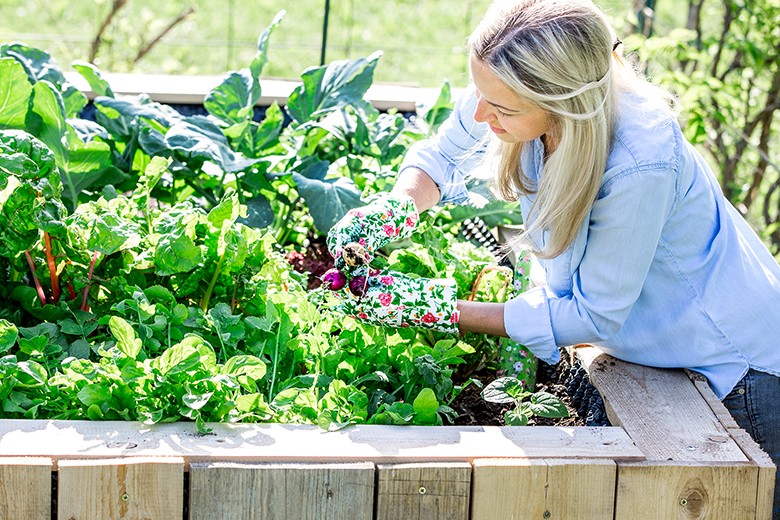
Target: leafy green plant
{"points": [[142, 266], [39, 99], [509, 390]]}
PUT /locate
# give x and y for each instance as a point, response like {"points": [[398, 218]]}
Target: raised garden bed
{"points": [[673, 452]]}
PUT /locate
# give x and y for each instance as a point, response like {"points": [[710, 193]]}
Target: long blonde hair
{"points": [[557, 55]]}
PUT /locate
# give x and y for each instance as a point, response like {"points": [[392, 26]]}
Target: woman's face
{"points": [[511, 118]]}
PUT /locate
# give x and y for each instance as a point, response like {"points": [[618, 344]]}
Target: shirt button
{"points": [[741, 391]]}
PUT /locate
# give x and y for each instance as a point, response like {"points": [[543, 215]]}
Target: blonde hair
{"points": [[557, 55]]}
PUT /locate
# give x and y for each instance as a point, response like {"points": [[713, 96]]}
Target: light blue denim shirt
{"points": [[664, 272]]}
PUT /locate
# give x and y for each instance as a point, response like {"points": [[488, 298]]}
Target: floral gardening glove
{"points": [[393, 299], [384, 220]]}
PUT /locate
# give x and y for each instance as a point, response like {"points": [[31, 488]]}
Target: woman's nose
{"points": [[482, 111]]}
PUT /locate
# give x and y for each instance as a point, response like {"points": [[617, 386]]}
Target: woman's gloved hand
{"points": [[384, 220], [393, 299]]}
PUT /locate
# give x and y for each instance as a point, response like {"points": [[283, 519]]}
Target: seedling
{"points": [[527, 404]]}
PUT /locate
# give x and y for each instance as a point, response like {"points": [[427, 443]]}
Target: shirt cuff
{"points": [[527, 321]]}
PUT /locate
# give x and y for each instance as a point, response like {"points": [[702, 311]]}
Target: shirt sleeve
{"points": [[458, 146], [623, 234]]}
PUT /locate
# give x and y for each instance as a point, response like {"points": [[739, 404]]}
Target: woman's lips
{"points": [[497, 130]]}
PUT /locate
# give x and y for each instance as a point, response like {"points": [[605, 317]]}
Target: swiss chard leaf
{"points": [[198, 137], [260, 59], [331, 87], [327, 199], [94, 78], [40, 66], [47, 119], [15, 93], [8, 335], [233, 100], [127, 341]]}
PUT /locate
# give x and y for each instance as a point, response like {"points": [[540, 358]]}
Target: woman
{"points": [[643, 255]]}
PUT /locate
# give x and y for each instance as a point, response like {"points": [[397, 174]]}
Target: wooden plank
{"points": [[767, 472], [715, 404], [308, 443], [693, 490], [148, 488], [543, 488], [25, 488], [660, 409], [233, 491], [176, 89], [424, 491]]}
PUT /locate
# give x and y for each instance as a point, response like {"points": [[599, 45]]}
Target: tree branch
{"points": [[143, 51], [118, 4]]}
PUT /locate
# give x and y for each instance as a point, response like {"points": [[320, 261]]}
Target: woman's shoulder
{"points": [[646, 136]]}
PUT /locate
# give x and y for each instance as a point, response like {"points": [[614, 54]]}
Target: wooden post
{"points": [[686, 490], [131, 488], [699, 462], [277, 491], [423, 491], [535, 489], [25, 488], [767, 471]]}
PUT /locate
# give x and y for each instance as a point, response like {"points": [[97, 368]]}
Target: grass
{"points": [[423, 41]]}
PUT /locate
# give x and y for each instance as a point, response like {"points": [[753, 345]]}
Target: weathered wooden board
{"points": [[767, 471], [278, 491], [543, 488], [679, 490], [117, 489], [25, 488], [661, 410], [165, 88], [427, 491], [308, 443]]}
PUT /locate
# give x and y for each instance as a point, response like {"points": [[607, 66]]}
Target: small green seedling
{"points": [[527, 404]]}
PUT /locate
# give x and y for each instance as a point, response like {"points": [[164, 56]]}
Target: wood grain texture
{"points": [[767, 472], [117, 489], [683, 491], [661, 410], [543, 488], [280, 491], [25, 488], [432, 491], [308, 443]]}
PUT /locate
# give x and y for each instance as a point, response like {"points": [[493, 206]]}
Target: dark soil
{"points": [[315, 262], [473, 410]]}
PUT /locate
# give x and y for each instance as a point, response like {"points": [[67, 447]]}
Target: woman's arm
{"points": [[482, 317], [418, 185]]}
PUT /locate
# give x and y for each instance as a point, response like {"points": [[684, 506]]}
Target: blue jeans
{"points": [[755, 405]]}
